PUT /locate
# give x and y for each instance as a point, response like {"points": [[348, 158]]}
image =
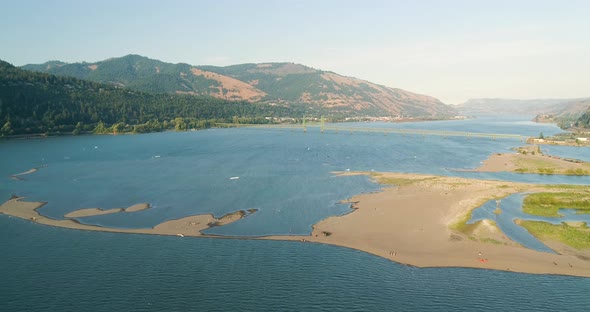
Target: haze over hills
{"points": [[569, 108], [273, 83]]}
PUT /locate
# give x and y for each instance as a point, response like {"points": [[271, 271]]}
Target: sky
{"points": [[450, 49]]}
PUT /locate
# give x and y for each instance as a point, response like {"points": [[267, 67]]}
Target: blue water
{"points": [[284, 174], [56, 269], [511, 207]]}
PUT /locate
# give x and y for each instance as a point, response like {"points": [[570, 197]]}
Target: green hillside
{"points": [[283, 83], [584, 120], [134, 72], [33, 102]]}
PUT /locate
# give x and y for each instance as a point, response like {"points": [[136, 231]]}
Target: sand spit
{"points": [[412, 223], [18, 175], [188, 226]]}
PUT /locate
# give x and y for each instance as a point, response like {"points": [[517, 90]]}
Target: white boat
{"points": [[234, 178]]}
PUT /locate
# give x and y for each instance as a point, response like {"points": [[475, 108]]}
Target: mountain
{"points": [[498, 106], [274, 83], [569, 114], [34, 102], [583, 121], [568, 108]]}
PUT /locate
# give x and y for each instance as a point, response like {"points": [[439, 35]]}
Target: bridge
{"points": [[342, 128]]}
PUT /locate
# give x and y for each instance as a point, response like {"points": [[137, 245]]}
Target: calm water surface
{"points": [[287, 176]]}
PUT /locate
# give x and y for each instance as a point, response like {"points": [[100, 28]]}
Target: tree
{"points": [[6, 129], [541, 135], [100, 128], [78, 129], [179, 124]]}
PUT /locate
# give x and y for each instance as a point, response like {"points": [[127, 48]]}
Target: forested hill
{"points": [[276, 83], [584, 120], [33, 102]]}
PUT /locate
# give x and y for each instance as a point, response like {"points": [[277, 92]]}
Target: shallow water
{"points": [[511, 208], [287, 176]]}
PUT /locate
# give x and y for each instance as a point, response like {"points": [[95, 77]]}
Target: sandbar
{"points": [[88, 212], [17, 176], [530, 159], [137, 207], [187, 226], [412, 221]]}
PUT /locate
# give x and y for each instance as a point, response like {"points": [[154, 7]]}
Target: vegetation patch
{"points": [[570, 187], [462, 226], [578, 171], [575, 236], [381, 179], [547, 204]]}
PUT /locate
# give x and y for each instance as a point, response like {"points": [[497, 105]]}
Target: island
{"points": [[530, 159]]}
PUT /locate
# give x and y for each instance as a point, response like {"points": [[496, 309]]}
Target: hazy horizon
{"points": [[452, 50]]}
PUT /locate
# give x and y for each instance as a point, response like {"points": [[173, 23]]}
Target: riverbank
{"points": [[419, 222]]}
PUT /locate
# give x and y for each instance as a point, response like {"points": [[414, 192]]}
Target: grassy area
{"points": [[469, 229], [568, 187], [547, 166], [577, 237], [462, 226], [534, 163], [381, 179], [548, 204], [579, 172]]}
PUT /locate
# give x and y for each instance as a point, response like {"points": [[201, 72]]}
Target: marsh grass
{"points": [[547, 204], [574, 236]]}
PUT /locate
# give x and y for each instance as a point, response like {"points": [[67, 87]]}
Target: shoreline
{"points": [[34, 136], [410, 224]]}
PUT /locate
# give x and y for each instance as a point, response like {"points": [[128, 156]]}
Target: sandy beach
{"points": [[411, 223]]}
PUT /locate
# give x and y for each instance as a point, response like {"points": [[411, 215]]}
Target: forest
{"points": [[39, 103]]}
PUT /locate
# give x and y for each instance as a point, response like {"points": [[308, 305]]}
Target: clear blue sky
{"points": [[453, 50]]}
